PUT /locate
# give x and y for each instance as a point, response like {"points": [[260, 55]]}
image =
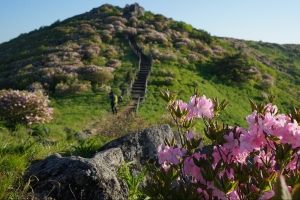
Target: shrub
{"points": [[266, 84], [109, 27], [170, 81], [34, 87], [237, 68], [106, 35], [113, 63], [110, 52], [96, 74], [168, 57], [183, 61], [206, 51], [129, 31], [133, 19], [217, 50], [199, 46], [91, 52], [74, 88], [182, 26], [24, 107], [251, 163], [104, 88], [192, 57], [102, 76]]}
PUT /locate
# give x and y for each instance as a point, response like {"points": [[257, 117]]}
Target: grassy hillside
{"points": [[90, 52], [79, 60]]}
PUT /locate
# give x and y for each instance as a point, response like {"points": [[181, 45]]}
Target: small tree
{"points": [[24, 107], [233, 67]]}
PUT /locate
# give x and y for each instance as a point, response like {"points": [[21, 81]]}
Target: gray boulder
{"points": [[133, 10], [79, 178], [141, 146]]}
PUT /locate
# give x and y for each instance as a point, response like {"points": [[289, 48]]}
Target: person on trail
{"points": [[113, 99]]}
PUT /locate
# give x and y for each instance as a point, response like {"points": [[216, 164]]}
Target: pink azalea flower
{"points": [[233, 195], [174, 154], [190, 135], [165, 166], [200, 107], [162, 154], [267, 195], [231, 142], [251, 119], [199, 190]]}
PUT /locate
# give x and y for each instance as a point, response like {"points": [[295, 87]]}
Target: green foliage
{"points": [[73, 88], [202, 35], [103, 76], [233, 67], [182, 26], [88, 147], [133, 182]]}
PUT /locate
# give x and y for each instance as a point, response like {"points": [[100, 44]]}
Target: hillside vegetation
{"points": [[79, 60]]}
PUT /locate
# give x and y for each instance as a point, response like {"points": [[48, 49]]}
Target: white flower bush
{"points": [[24, 107]]}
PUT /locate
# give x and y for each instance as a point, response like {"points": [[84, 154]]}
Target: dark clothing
{"points": [[113, 103], [113, 107]]}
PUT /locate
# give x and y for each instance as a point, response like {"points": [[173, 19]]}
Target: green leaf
{"points": [[172, 141], [253, 105], [218, 184], [230, 186]]}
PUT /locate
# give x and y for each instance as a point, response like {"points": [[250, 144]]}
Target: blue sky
{"points": [[275, 21]]}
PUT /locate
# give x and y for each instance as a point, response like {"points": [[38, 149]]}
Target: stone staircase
{"points": [[139, 86]]}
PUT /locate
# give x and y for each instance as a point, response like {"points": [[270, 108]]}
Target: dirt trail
{"points": [[97, 126], [137, 92]]}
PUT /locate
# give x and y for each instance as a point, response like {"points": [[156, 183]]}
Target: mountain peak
{"points": [[133, 10]]}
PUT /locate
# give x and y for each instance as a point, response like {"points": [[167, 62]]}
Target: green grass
{"points": [[18, 150], [74, 112], [22, 146]]}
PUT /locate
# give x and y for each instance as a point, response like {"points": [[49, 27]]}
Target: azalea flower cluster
{"points": [[240, 163], [24, 107], [197, 107]]}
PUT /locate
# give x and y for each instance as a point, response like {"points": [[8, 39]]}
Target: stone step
{"points": [[137, 90], [145, 70], [138, 86], [142, 88], [136, 96], [140, 81], [142, 76], [143, 73]]}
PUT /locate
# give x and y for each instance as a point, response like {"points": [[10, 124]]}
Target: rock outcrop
{"points": [[79, 178], [141, 146], [75, 177], [133, 10]]}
